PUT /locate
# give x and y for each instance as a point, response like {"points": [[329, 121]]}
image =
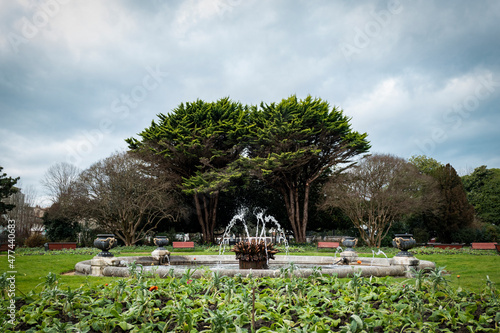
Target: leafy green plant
{"points": [[242, 304], [4, 284], [418, 275], [356, 282], [437, 278], [135, 270]]}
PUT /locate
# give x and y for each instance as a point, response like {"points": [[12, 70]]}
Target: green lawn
{"points": [[471, 269]]}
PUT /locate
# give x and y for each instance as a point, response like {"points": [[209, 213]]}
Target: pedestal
{"points": [[163, 256]]}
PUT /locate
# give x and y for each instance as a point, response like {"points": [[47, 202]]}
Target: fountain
{"points": [[253, 254]]}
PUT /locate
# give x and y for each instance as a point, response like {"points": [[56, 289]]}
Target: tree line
{"points": [[300, 159]]}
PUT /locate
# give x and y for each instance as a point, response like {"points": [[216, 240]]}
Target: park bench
{"points": [[59, 245], [5, 247], [328, 245], [183, 245], [483, 246]]}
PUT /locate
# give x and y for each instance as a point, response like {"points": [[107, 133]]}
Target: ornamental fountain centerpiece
{"points": [[254, 254]]}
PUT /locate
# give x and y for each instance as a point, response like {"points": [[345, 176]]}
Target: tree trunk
{"points": [[206, 210], [292, 203]]}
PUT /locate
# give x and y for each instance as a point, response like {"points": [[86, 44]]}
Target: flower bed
{"points": [[446, 246], [217, 304]]}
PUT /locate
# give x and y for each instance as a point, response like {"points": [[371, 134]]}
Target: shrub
{"points": [[492, 233], [35, 240], [464, 235]]}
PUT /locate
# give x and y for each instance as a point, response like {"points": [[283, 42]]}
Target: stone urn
{"points": [[349, 242], [348, 254], [105, 242], [404, 242], [160, 242]]}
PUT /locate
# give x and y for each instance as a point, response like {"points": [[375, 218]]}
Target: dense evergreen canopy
{"points": [[197, 143], [289, 145], [298, 141]]}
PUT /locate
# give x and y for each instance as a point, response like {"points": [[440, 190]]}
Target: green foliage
{"points": [[6, 190], [212, 303], [211, 147], [483, 192], [418, 251], [426, 165], [199, 143], [198, 140], [456, 212], [296, 142], [452, 218], [59, 228]]}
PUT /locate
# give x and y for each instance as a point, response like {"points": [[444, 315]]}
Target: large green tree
{"points": [[59, 226], [455, 212], [483, 191], [295, 142], [7, 188], [198, 143]]}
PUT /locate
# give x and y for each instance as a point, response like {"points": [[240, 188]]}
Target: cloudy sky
{"points": [[78, 77]]}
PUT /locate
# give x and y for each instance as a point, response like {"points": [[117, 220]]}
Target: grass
{"points": [[32, 269], [472, 270]]}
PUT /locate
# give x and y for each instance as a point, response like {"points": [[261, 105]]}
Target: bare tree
{"points": [[59, 179], [127, 197], [24, 213], [377, 192]]}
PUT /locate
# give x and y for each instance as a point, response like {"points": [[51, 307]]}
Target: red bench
{"points": [[328, 245], [183, 245], [483, 246], [60, 245], [6, 246]]}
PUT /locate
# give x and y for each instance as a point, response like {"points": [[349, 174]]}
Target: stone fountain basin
{"points": [[116, 266]]}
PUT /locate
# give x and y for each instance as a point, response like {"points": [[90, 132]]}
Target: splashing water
{"points": [[260, 230], [376, 254], [335, 256]]}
